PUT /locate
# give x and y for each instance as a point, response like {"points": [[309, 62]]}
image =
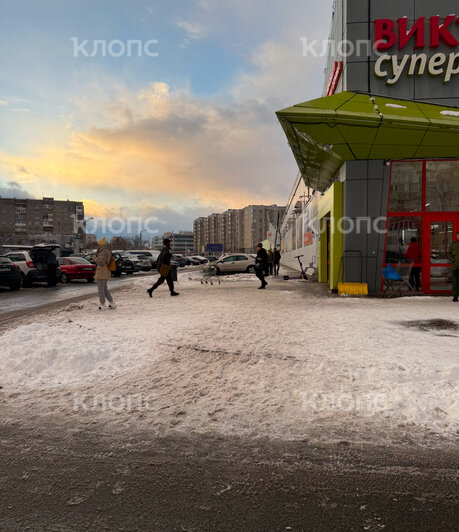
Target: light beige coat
{"points": [[102, 260]]}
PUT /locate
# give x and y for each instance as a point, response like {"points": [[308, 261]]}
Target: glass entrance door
{"points": [[440, 231]]}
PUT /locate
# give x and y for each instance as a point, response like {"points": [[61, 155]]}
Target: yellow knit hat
{"points": [[102, 241]]}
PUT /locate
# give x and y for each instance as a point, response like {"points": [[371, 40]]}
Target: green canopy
{"points": [[325, 133]]}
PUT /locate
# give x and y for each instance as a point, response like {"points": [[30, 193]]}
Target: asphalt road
{"points": [[55, 480]]}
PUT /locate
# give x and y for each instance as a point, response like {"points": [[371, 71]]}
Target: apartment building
{"points": [[237, 230], [30, 221]]}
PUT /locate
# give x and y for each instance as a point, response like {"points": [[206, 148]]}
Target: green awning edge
{"points": [[325, 133]]}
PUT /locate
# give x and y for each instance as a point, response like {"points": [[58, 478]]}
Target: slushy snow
{"points": [[288, 362]]}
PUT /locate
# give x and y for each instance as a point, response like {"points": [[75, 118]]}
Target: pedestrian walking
{"points": [[164, 268], [414, 254], [103, 260], [453, 257], [276, 261], [261, 263], [270, 262]]}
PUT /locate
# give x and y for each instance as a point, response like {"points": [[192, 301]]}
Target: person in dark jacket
{"points": [[453, 256], [164, 268], [414, 253], [276, 261], [261, 263], [270, 263]]}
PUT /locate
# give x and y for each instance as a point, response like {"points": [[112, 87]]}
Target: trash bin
{"points": [[174, 272]]}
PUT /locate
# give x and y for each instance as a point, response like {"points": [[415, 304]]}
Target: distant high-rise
{"points": [[237, 230]]}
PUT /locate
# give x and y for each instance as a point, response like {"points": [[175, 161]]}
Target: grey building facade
{"points": [[31, 221]]}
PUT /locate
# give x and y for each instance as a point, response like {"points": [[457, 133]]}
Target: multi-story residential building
{"points": [[31, 221], [237, 230], [199, 234]]}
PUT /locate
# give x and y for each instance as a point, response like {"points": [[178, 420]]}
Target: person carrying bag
{"points": [[164, 268]]}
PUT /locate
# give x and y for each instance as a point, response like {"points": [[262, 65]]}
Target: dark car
{"points": [[76, 268], [192, 262], [181, 261], [10, 274], [123, 265]]}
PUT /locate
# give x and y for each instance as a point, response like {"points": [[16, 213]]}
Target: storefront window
{"points": [[406, 187], [442, 186], [441, 238], [400, 231]]}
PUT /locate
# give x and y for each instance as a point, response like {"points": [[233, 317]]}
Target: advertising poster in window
{"points": [[307, 229]]}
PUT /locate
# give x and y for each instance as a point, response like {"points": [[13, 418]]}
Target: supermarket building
{"points": [[378, 153]]}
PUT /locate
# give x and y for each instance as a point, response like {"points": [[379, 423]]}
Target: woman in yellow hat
{"points": [[103, 274]]}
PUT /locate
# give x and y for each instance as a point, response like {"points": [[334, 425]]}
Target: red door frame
{"points": [[427, 217], [427, 263]]}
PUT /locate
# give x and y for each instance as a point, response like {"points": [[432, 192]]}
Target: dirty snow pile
{"points": [[288, 362]]}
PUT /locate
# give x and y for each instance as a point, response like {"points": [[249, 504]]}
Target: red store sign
{"points": [[432, 32]]}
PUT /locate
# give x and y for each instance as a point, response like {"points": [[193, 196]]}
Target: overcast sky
{"points": [[184, 133]]}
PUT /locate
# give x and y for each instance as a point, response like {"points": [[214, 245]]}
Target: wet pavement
{"points": [[40, 295]]}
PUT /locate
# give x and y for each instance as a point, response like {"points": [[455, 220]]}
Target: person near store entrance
{"points": [[261, 264], [414, 254], [453, 257]]}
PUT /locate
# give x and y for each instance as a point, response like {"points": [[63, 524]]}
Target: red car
{"points": [[76, 268]]}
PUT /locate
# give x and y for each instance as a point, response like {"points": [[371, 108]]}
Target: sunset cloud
{"points": [[172, 137]]}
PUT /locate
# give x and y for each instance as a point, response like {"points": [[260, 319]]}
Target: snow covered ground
{"points": [[288, 362]]}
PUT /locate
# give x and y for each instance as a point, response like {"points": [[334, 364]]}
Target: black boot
{"points": [[174, 293], [150, 292]]}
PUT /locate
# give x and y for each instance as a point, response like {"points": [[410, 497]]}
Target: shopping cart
{"points": [[393, 287], [210, 275]]}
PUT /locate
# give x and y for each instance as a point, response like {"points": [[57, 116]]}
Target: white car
{"points": [[151, 254], [202, 260], [236, 263], [33, 263]]}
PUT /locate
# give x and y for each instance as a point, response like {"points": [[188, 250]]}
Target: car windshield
{"points": [[77, 260]]}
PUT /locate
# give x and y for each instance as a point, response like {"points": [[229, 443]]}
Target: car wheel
{"points": [[90, 279], [25, 281], [65, 278], [251, 269], [16, 286]]}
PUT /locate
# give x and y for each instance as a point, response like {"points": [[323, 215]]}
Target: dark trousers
{"points": [[160, 281], [415, 277], [455, 275], [276, 266], [259, 273]]}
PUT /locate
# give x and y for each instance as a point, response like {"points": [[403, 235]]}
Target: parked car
{"points": [[180, 260], [76, 268], [151, 254], [127, 256], [191, 262], [236, 263], [200, 259], [145, 262], [10, 274], [33, 263], [122, 265]]}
